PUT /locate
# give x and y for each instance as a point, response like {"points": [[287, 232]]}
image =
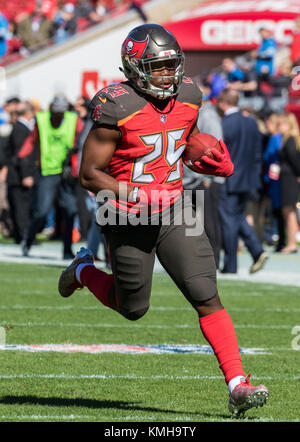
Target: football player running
{"points": [[134, 149]]}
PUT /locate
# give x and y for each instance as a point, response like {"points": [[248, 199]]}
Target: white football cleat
{"points": [[245, 396]]}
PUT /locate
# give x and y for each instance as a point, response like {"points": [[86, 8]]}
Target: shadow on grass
{"points": [[118, 405], [88, 403]]}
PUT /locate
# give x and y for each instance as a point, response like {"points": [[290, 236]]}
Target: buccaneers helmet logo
{"points": [[134, 48]]}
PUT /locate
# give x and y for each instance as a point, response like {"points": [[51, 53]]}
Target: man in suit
{"points": [[19, 185], [208, 122], [243, 139]]}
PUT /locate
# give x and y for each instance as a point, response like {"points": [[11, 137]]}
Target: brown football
{"points": [[197, 146]]}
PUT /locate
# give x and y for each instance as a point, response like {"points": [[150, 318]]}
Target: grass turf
{"points": [[112, 387]]}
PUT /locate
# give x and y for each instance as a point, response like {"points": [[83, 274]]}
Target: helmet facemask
{"points": [[173, 63], [140, 71]]}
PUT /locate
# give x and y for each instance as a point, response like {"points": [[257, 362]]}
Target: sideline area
{"points": [[279, 269]]}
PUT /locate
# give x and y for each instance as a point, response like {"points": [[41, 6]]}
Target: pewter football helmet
{"points": [[149, 47]]}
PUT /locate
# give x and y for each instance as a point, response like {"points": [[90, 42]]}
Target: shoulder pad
{"points": [[114, 103], [103, 106], [189, 93]]}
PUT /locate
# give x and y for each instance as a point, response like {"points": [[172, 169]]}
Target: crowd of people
{"points": [[255, 87], [42, 193], [34, 25], [262, 76], [258, 204]]}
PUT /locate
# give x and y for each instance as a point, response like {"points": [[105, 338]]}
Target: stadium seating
{"points": [[16, 10]]}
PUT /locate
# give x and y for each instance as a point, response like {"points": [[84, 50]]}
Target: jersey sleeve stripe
{"points": [[193, 106], [124, 120]]}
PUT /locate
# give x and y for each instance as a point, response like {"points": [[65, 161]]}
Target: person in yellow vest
{"points": [[52, 142]]}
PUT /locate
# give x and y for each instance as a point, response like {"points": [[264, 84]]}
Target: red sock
{"points": [[218, 330], [101, 285]]}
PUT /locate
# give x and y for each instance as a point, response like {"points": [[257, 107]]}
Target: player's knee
{"points": [[129, 273], [201, 289], [134, 314]]}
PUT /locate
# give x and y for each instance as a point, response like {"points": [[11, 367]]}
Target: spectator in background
{"points": [[5, 220], [3, 35], [4, 117], [84, 213], [5, 130], [247, 62], [81, 107], [233, 72], [136, 6], [95, 236], [272, 176], [65, 23], [98, 12], [36, 104], [87, 204], [242, 137], [295, 45], [7, 118], [238, 79], [14, 41], [281, 79], [10, 107], [54, 136], [255, 207], [35, 30], [84, 10], [216, 82], [289, 156], [19, 184], [265, 69], [265, 54], [208, 122]]}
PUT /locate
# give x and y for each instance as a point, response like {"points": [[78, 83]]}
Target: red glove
{"points": [[220, 166]]}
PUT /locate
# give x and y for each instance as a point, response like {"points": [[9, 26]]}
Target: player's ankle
{"points": [[234, 382], [79, 269]]}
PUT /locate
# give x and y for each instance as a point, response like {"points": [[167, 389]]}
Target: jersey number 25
{"points": [[173, 153]]}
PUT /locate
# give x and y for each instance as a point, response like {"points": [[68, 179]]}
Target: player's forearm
{"points": [[97, 180]]}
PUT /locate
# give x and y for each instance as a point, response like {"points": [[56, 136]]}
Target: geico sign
{"points": [[237, 32]]}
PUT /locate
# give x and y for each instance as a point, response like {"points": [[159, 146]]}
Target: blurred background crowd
{"points": [[28, 26], [265, 80]]}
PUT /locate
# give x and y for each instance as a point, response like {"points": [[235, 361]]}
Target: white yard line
{"points": [[134, 418], [141, 326], [97, 418], [136, 377]]}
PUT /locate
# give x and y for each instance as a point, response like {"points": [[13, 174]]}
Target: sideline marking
{"points": [[123, 348]]}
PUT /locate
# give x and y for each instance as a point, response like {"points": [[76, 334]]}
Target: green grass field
{"points": [[114, 387]]}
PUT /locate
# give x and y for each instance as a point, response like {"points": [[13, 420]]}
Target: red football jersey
{"points": [[152, 139]]}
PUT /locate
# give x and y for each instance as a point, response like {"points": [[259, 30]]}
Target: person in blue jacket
{"points": [[3, 34], [265, 54]]}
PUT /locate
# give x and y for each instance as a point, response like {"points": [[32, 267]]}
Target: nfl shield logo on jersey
{"points": [[163, 118]]}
